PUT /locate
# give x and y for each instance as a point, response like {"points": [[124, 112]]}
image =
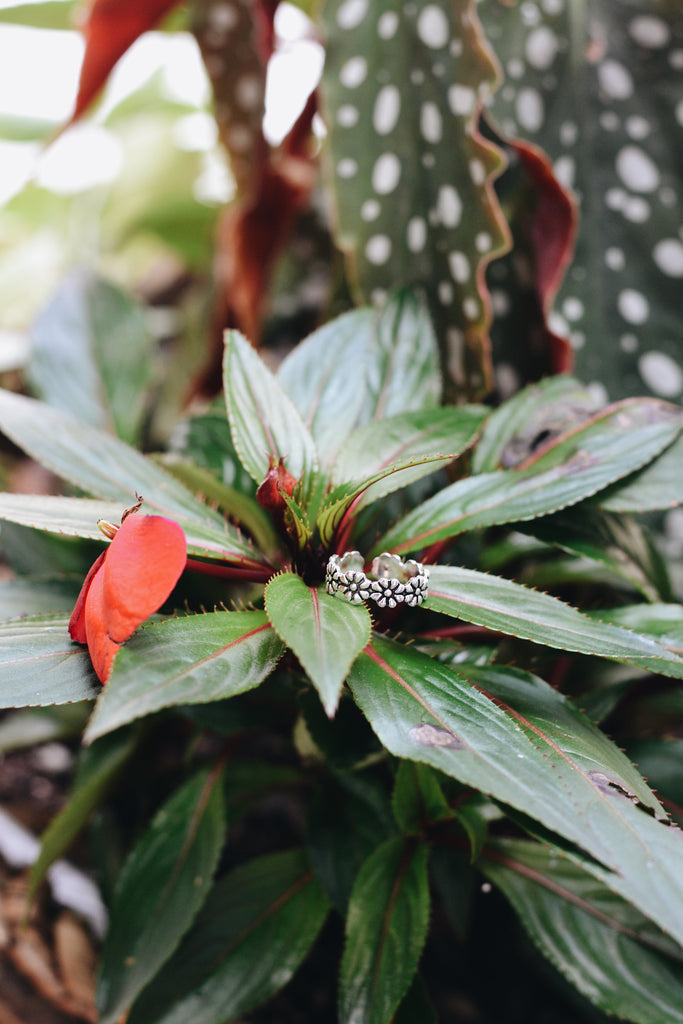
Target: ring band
{"points": [[390, 581]]}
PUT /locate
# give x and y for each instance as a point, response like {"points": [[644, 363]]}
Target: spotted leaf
{"points": [[401, 95], [600, 80]]}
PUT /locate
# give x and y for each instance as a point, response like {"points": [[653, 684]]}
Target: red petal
{"points": [[100, 646], [111, 26], [144, 562], [77, 629]]}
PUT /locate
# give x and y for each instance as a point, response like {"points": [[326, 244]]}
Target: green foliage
{"points": [[302, 787]]}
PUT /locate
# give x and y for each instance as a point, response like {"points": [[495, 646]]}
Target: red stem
{"points": [[231, 572]]}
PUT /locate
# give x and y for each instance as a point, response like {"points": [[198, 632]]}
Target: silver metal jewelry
{"points": [[389, 583]]}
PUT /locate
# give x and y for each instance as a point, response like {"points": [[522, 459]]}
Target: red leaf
{"points": [[143, 564], [100, 645], [552, 233], [77, 628], [110, 27], [126, 584]]}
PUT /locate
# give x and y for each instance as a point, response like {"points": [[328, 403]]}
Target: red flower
{"points": [[127, 584]]}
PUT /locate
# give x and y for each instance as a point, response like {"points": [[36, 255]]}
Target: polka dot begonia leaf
{"points": [[597, 87], [410, 175]]}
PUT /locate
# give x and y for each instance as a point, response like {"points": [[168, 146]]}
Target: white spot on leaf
{"points": [[529, 109], [432, 27], [347, 116], [461, 100], [430, 122], [386, 173], [387, 109], [378, 249], [668, 255], [347, 167], [649, 31], [370, 210], [633, 306], [615, 81], [541, 47], [416, 234], [387, 25], [449, 206], [637, 171], [661, 374], [351, 13], [459, 266], [614, 258], [353, 72], [573, 308]]}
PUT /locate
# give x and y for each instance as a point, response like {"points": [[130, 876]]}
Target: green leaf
{"points": [[162, 885], [94, 460], [657, 486], [409, 171], [233, 503], [37, 595], [247, 942], [508, 607], [386, 927], [99, 767], [264, 421], [402, 441], [662, 622], [616, 542], [39, 664], [416, 1006], [51, 14], [77, 517], [576, 465], [404, 373], [427, 712], [534, 416], [417, 798], [325, 375], [601, 944], [91, 355], [325, 634], [34, 726], [348, 817], [186, 661]]}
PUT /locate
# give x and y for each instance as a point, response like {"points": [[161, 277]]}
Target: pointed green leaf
{"points": [[186, 661], [508, 607], [162, 885], [573, 467], [348, 817], [417, 798], [386, 927], [410, 172], [603, 946], [658, 486], [404, 372], [325, 375], [247, 942], [77, 517], [662, 622], [99, 767], [427, 712], [90, 355], [400, 441], [531, 418], [264, 421], [616, 542], [325, 634], [94, 460], [40, 664]]}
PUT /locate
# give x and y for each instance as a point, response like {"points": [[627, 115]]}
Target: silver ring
{"points": [[390, 581]]}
